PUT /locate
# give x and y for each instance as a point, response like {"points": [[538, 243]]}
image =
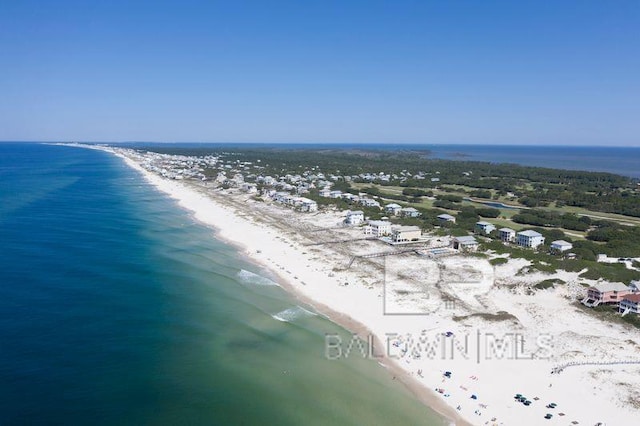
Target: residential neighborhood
{"points": [[393, 222]]}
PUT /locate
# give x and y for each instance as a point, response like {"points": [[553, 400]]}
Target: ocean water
{"points": [[116, 308], [619, 160]]}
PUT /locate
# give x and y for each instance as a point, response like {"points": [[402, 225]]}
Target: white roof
{"points": [[392, 206], [604, 287], [506, 230], [467, 239], [355, 212], [561, 243], [530, 233], [379, 223], [445, 216], [407, 228], [483, 223]]}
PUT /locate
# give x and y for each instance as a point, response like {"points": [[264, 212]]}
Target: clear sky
{"points": [[519, 72]]}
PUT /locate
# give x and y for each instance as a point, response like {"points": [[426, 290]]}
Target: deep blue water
{"points": [[116, 308]]}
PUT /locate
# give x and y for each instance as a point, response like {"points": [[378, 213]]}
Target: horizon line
{"points": [[334, 143]]}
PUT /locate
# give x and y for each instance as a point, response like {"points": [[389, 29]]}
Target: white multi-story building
{"points": [[368, 202], [393, 209], [378, 228], [630, 304], [507, 235], [406, 234], [529, 238], [484, 227], [307, 205], [355, 217]]}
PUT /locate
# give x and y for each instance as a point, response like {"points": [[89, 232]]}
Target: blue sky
{"points": [[517, 72]]}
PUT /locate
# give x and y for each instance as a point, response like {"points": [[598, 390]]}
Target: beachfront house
{"points": [[484, 227], [283, 197], [507, 235], [307, 205], [560, 246], [355, 217], [605, 293], [529, 239], [409, 212], [444, 218], [465, 244], [393, 209], [403, 234], [630, 304], [326, 193], [335, 194], [378, 228]]}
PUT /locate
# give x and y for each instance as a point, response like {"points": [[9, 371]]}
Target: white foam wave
{"points": [[248, 277], [291, 314]]}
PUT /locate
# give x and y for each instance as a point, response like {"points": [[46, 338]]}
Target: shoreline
{"points": [[310, 279], [417, 389]]}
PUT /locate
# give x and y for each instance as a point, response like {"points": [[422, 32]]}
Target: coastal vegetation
{"points": [[596, 212], [527, 186]]}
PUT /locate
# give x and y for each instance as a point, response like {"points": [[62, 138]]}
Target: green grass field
{"points": [[506, 214]]}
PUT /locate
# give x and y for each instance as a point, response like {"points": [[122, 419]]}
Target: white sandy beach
{"points": [[542, 322]]}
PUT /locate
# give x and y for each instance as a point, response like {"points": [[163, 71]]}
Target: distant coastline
{"points": [[618, 160]]}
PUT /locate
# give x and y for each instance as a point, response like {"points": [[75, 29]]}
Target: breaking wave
{"points": [[291, 314], [255, 279]]}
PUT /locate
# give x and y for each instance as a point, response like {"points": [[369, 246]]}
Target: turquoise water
{"points": [[117, 308]]}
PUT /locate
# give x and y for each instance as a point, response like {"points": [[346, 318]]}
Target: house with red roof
{"points": [[630, 304], [605, 293]]}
